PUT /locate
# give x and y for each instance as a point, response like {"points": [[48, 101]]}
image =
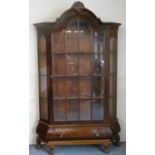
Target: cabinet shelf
{"points": [[77, 76], [79, 98], [94, 52]]}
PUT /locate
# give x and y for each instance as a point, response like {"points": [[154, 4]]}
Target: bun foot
{"points": [[52, 150], [116, 140], [38, 143], [106, 148]]}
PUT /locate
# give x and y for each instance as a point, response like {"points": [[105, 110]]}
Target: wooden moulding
{"points": [[104, 143], [78, 142], [71, 132]]}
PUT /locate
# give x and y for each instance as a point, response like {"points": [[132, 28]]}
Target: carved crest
{"points": [[78, 5]]}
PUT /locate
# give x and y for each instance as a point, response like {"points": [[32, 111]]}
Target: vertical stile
{"points": [[49, 72], [66, 101], [92, 55], [38, 42], [116, 56], [78, 78], [103, 75], [51, 55], [107, 75]]}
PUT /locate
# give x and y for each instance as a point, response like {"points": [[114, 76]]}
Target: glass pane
{"points": [[43, 69], [98, 86], [85, 87], [112, 106], [95, 42], [71, 64], [84, 37], [43, 86], [71, 87], [85, 110], [59, 64], [71, 37], [99, 51], [98, 42], [97, 110], [102, 41], [113, 43], [84, 64], [43, 108], [42, 55], [58, 42], [113, 63], [98, 63], [59, 87], [112, 85], [72, 110], [59, 110], [42, 44]]}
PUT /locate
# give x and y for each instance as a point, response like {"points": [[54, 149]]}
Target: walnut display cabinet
{"points": [[77, 58]]}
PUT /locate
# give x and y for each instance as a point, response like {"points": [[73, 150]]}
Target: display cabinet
{"points": [[77, 58]]}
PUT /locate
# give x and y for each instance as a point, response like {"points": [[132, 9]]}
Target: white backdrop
{"points": [[49, 10]]}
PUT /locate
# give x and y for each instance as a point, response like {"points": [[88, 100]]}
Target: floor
{"points": [[78, 150]]}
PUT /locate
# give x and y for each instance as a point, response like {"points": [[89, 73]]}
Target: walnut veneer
{"points": [[77, 58]]}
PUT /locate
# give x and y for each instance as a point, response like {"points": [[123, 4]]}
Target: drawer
{"points": [[85, 132]]}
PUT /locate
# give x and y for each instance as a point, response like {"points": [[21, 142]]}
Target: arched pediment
{"points": [[77, 11]]}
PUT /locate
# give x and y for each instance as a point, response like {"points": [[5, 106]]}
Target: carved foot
{"points": [[52, 150], [116, 140], [38, 143], [106, 148]]}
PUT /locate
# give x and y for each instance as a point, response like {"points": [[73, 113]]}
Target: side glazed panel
{"points": [[43, 78], [112, 72]]}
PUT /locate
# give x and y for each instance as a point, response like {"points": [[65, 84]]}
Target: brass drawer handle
{"points": [[61, 136], [96, 133]]}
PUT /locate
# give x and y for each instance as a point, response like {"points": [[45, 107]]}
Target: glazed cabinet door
{"points": [[78, 73]]}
